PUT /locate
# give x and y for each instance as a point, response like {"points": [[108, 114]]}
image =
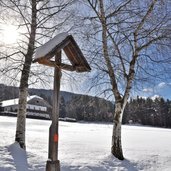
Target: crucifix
{"points": [[50, 54]]}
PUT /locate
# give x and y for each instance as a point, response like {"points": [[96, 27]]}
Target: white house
{"points": [[36, 107]]}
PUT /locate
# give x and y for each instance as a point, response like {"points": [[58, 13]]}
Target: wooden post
{"points": [[53, 163]]}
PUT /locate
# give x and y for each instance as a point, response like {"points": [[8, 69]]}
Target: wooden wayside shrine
{"points": [[50, 54], [66, 43]]}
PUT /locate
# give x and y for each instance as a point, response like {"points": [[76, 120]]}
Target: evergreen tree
{"points": [[1, 108], [155, 112], [62, 108]]}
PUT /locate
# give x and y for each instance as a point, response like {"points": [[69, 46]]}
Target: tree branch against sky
{"points": [[19, 18], [128, 42], [36, 21]]}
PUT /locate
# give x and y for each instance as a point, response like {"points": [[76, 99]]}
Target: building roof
{"points": [[12, 102], [65, 42]]}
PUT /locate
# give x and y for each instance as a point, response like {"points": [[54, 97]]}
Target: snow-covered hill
{"points": [[85, 147]]}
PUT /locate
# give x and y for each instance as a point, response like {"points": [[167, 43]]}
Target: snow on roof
{"points": [[50, 45], [15, 101]]}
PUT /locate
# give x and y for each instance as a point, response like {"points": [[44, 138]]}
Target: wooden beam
{"points": [[68, 67], [61, 66], [72, 56]]}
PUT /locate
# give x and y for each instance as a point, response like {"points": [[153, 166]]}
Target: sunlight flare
{"points": [[9, 34]]}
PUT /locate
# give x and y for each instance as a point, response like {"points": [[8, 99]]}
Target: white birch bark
{"points": [[21, 121], [23, 89], [116, 148]]}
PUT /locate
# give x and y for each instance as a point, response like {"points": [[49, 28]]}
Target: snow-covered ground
{"points": [[85, 147]]}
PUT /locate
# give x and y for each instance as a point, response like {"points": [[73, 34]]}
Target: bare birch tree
{"points": [[129, 42], [39, 21]]}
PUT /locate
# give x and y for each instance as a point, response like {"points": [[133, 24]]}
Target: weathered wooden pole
{"points": [[43, 55], [53, 163]]}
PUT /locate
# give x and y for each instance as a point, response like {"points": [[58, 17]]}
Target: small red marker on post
{"points": [[55, 138]]}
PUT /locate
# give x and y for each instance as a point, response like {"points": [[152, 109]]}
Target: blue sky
{"points": [[162, 89]]}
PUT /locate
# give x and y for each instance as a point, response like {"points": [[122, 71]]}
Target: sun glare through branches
{"points": [[9, 34]]}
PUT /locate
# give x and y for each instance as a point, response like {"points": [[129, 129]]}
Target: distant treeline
{"points": [[155, 112], [80, 107]]}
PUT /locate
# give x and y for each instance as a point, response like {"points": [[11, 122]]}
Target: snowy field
{"points": [[85, 147]]}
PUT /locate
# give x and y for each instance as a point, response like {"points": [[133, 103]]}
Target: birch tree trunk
{"points": [[23, 89], [21, 116], [116, 148]]}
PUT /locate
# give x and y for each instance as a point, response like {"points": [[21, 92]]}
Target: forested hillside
{"points": [[155, 112], [81, 107]]}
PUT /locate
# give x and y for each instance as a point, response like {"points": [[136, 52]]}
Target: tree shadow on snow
{"points": [[6, 161], [16, 159], [110, 163], [19, 157]]}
